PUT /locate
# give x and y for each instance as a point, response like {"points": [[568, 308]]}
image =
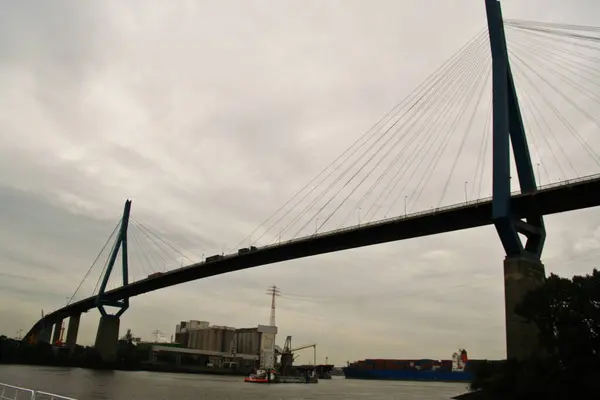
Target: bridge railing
{"points": [[424, 212], [409, 216], [379, 222]]}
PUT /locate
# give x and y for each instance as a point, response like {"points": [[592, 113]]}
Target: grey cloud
{"points": [[210, 119]]}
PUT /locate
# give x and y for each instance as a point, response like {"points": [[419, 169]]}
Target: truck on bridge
{"points": [[214, 258], [247, 250]]}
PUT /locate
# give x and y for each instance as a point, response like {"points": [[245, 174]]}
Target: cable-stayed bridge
{"points": [[538, 90]]}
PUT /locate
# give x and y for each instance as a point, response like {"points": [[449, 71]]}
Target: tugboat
{"points": [[286, 372], [261, 376]]}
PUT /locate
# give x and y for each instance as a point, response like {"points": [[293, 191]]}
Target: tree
{"points": [[128, 336], [567, 314]]}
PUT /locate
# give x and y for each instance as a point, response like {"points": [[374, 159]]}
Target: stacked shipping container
{"points": [[403, 364], [409, 370]]}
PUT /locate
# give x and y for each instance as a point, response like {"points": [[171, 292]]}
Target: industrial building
{"points": [[198, 344], [200, 335], [221, 346]]}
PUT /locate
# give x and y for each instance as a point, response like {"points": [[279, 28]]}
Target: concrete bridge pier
{"points": [[56, 334], [107, 337], [44, 335], [521, 274], [72, 332]]}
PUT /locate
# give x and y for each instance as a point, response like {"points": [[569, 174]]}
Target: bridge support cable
{"points": [[401, 170], [142, 262], [547, 63], [163, 258], [154, 237], [443, 98], [421, 110], [588, 51], [449, 119], [536, 115], [525, 24], [562, 83], [423, 148], [561, 30], [426, 144], [372, 171], [531, 120], [557, 82], [583, 66], [87, 274], [361, 143], [446, 100], [104, 268], [151, 254], [484, 76], [440, 82], [482, 154], [159, 260], [550, 47], [394, 149]]}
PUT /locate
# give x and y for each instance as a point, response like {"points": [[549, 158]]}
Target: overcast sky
{"points": [[210, 115]]}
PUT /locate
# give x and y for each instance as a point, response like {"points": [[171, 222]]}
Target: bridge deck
{"points": [[552, 199]]}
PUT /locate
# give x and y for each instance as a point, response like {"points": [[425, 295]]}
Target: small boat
{"points": [[261, 376], [256, 379]]}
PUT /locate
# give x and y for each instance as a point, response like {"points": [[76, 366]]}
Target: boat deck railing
{"points": [[10, 392], [39, 395]]}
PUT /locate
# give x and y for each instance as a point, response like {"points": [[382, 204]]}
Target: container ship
{"points": [[458, 369]]}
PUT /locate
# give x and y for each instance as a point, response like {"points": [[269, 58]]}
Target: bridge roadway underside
{"points": [[551, 200]]}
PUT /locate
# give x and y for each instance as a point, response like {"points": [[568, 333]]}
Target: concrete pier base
{"points": [[56, 334], [44, 335], [107, 337], [520, 276], [72, 332]]}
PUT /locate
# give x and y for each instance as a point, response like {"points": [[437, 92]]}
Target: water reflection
{"points": [[121, 385]]}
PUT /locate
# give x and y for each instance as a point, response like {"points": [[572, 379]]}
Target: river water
{"points": [[85, 384]]}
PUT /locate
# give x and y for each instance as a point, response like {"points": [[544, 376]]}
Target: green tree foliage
{"points": [[14, 351], [128, 336], [567, 314]]}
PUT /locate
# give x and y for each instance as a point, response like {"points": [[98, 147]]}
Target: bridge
{"points": [[514, 214]]}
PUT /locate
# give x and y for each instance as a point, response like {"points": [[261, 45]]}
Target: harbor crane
{"points": [[287, 354], [308, 346]]}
